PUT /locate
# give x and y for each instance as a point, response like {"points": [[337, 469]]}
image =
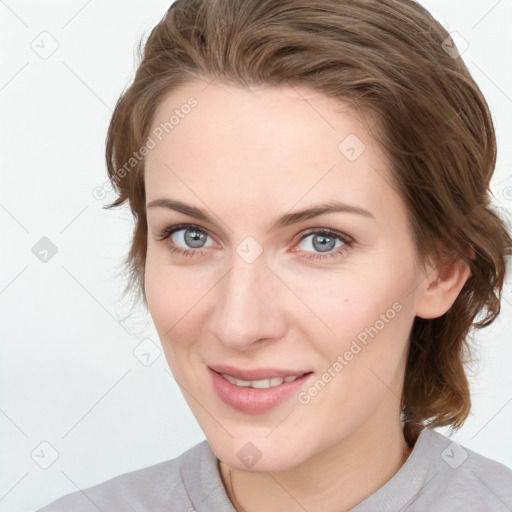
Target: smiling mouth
{"points": [[262, 383], [257, 395], [260, 395]]}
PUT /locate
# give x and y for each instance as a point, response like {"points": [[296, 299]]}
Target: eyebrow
{"points": [[284, 220]]}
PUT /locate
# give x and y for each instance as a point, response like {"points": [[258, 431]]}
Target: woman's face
{"points": [[260, 287]]}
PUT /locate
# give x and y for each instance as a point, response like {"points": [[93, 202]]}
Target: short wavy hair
{"points": [[387, 57]]}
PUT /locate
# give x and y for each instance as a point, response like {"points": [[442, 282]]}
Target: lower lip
{"points": [[254, 400]]}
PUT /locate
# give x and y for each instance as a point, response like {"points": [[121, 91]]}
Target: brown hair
{"points": [[391, 58]]}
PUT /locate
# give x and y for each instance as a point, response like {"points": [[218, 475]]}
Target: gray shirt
{"points": [[439, 475]]}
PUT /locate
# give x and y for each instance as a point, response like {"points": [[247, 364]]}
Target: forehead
{"points": [[266, 146], [270, 120]]}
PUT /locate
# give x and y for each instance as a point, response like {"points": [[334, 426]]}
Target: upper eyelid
{"points": [[178, 227]]}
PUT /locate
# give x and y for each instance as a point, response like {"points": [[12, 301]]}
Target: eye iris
{"points": [[327, 243], [196, 239]]}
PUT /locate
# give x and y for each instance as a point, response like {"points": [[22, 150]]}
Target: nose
{"points": [[249, 306]]}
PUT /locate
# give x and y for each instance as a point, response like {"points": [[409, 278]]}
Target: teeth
{"points": [[259, 384]]}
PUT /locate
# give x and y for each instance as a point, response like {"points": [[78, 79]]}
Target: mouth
{"points": [[261, 383], [255, 396], [257, 374]]}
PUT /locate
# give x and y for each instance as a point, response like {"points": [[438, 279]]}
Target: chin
{"points": [[259, 455]]}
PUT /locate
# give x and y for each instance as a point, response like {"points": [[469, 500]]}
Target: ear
{"points": [[442, 286]]}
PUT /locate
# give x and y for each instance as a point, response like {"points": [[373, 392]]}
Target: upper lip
{"points": [[256, 373]]}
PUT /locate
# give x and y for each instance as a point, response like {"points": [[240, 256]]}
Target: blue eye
{"points": [[325, 240], [329, 243], [192, 235]]}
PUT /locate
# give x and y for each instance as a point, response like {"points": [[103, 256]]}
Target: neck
{"points": [[362, 462]]}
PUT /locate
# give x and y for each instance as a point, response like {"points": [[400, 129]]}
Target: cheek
{"points": [[369, 314], [348, 302], [369, 331], [172, 295], [362, 362], [174, 302]]}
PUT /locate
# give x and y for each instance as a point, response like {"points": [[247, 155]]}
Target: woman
{"points": [[314, 241]]}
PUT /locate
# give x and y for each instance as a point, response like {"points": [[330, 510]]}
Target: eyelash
{"points": [[347, 241]]}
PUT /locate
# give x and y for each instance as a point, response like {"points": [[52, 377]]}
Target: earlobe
{"points": [[442, 288]]}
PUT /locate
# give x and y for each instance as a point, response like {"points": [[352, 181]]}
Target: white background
{"points": [[68, 374]]}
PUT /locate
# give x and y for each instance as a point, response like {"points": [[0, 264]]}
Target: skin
{"points": [[247, 156]]}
